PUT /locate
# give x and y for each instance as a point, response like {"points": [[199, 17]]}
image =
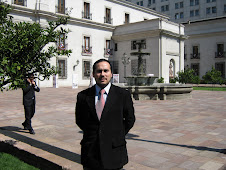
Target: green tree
{"points": [[187, 76], [213, 76], [25, 48]]}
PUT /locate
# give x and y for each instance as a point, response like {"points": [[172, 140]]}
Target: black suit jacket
{"points": [[29, 94], [103, 140]]}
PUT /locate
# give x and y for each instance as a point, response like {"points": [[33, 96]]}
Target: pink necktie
{"points": [[100, 104]]}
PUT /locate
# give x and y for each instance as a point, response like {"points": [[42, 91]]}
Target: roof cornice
{"points": [[140, 8], [54, 16]]}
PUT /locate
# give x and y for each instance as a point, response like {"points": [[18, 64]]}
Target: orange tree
{"points": [[22, 48]]}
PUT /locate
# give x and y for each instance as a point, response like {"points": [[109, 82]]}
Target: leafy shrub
{"points": [[160, 80], [187, 76], [213, 76]]}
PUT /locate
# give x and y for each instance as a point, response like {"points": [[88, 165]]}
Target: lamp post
{"points": [[125, 61]]}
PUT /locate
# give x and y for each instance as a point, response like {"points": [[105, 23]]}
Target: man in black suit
{"points": [[29, 101], [103, 145]]}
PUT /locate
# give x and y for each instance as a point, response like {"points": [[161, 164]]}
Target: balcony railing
{"points": [[86, 15], [108, 51], [195, 56], [220, 54], [62, 46], [108, 20], [86, 50]]}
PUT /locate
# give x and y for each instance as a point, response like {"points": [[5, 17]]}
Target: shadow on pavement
{"points": [[10, 132], [201, 148]]}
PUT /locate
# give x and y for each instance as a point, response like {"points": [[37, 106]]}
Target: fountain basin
{"points": [[160, 91], [140, 80]]}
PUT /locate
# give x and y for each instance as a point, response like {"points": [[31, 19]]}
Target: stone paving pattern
{"points": [[173, 134]]}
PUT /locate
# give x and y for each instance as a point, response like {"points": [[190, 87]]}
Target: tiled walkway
{"points": [[186, 134]]}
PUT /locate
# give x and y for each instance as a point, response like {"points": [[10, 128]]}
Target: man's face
{"points": [[102, 74], [31, 78]]}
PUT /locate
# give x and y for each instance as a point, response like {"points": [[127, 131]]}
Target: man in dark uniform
{"points": [[105, 114], [29, 101]]}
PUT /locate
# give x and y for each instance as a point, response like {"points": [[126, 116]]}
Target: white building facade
{"points": [[92, 27]]}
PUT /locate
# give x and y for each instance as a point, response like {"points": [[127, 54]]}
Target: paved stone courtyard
{"points": [[177, 134]]}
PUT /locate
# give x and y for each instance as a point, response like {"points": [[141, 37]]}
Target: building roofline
{"points": [[140, 8], [204, 20]]}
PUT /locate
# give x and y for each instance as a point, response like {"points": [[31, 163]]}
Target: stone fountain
{"points": [[143, 87], [140, 79]]}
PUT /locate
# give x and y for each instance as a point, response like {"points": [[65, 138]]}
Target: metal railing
{"points": [[220, 54], [108, 20], [86, 15], [195, 56], [86, 50]]}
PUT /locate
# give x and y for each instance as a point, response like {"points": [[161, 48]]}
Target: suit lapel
{"points": [[91, 101], [110, 100]]}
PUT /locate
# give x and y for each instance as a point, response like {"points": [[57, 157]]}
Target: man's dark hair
{"points": [[30, 75], [99, 61]]}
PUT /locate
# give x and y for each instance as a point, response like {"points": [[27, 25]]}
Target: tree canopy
{"points": [[22, 48]]}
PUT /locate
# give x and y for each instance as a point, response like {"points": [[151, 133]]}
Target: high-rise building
{"points": [[204, 22]]}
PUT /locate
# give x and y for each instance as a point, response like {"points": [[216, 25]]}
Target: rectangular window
{"points": [[220, 67], [181, 15], [167, 7], [115, 67], [141, 3], [191, 2], [176, 5], [107, 47], [195, 67], [116, 47], [164, 8], [207, 10], [143, 44], [61, 42], [149, 2], [181, 4], [138, 3], [86, 48], [86, 13], [62, 66], [176, 16], [213, 0], [197, 12], [133, 45], [224, 8], [126, 18], [19, 2], [61, 6], [195, 52], [207, 1], [220, 50], [214, 10], [196, 2], [108, 16], [192, 13], [86, 69], [153, 1]]}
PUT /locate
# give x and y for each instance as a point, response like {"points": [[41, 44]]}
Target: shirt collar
{"points": [[107, 88]]}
